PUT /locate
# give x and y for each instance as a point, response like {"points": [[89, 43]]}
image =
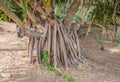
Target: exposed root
{"points": [[63, 48], [38, 58], [28, 46], [32, 42]]}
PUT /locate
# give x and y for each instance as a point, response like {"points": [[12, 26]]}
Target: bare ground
{"points": [[100, 66]]}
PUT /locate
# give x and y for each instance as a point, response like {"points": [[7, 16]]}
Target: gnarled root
{"points": [[64, 47]]}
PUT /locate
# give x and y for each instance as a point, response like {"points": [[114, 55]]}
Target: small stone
{"points": [[6, 75]]}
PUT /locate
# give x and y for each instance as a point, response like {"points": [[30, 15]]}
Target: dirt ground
{"points": [[100, 66]]}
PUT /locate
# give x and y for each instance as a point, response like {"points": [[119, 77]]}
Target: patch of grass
{"points": [[51, 67], [70, 79]]}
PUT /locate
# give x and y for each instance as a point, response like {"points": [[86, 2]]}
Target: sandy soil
{"points": [[100, 66]]}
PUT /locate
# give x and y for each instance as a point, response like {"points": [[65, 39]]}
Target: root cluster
{"points": [[63, 47]]}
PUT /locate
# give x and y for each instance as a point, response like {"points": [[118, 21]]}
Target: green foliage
{"points": [[45, 57], [70, 79], [77, 17], [104, 12], [25, 7], [14, 8], [62, 8], [45, 61], [65, 76], [61, 1], [4, 17], [48, 2], [60, 11]]}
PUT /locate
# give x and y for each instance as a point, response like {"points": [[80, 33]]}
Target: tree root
{"points": [[63, 48]]}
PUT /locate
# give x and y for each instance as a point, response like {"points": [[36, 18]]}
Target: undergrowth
{"points": [[45, 57]]}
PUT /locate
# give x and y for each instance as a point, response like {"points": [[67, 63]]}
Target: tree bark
{"points": [[63, 48], [71, 13]]}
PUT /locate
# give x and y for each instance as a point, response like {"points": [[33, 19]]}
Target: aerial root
{"points": [[63, 47]]}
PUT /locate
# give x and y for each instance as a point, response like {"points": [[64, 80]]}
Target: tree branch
{"points": [[29, 33], [41, 11], [11, 15], [37, 7], [32, 17], [71, 12]]}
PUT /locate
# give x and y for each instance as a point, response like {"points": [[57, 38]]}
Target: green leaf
{"points": [[105, 19], [25, 7], [65, 76], [44, 52], [70, 79], [48, 2]]}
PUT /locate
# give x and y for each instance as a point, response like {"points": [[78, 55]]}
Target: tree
{"points": [[47, 32]]}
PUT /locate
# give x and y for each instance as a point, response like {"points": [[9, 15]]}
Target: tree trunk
{"points": [[22, 31], [71, 13], [51, 36]]}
